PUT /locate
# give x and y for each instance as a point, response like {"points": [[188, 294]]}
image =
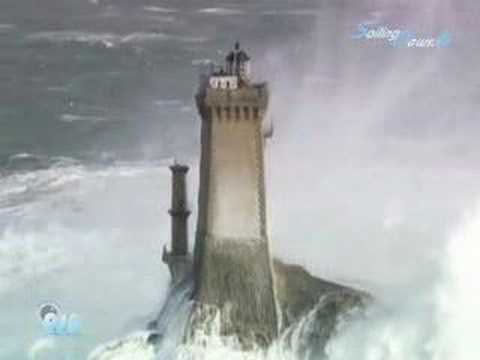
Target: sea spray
{"points": [[58, 226], [435, 324], [304, 339], [458, 295], [163, 339]]}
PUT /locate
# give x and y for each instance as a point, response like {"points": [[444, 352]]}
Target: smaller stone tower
{"points": [[179, 211], [178, 258]]}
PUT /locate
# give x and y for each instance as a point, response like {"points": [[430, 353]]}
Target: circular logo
{"points": [[56, 323], [49, 314], [47, 309]]}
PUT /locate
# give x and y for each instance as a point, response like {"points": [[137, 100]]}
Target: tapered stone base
{"points": [[236, 282], [310, 308]]}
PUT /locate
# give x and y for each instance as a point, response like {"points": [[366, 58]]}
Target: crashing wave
{"points": [[31, 244], [168, 337], [134, 346], [42, 346], [30, 162], [158, 9], [26, 257], [220, 11], [164, 337], [70, 118]]}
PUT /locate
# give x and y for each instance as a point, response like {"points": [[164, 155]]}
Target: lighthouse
{"points": [[231, 286], [232, 263]]}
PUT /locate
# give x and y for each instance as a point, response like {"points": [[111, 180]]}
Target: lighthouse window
{"points": [[237, 113], [228, 84], [255, 113], [246, 110], [227, 113]]}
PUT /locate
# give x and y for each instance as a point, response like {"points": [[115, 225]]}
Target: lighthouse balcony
{"points": [[248, 95], [223, 82]]}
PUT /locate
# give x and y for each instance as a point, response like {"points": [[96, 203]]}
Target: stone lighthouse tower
{"points": [[232, 264]]}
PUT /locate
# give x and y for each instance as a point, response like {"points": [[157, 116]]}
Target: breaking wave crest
{"points": [[28, 176], [436, 323], [220, 11], [36, 208], [302, 340], [58, 225], [109, 40]]}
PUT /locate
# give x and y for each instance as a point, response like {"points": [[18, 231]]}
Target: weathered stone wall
{"points": [[236, 280], [234, 208]]}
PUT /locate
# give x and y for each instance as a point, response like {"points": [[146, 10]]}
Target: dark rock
{"points": [[154, 338], [320, 305], [298, 292]]}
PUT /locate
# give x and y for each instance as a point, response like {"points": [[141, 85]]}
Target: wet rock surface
{"points": [[298, 292]]}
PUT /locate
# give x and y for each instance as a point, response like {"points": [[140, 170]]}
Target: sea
{"points": [[372, 171]]}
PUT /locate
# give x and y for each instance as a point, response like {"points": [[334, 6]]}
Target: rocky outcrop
{"points": [[298, 292], [311, 308], [306, 305]]}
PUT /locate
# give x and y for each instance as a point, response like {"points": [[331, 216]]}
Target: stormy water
{"points": [[373, 173]]}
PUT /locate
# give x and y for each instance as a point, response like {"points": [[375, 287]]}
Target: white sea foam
{"points": [[171, 323], [26, 257], [293, 12], [144, 36], [26, 186], [69, 118], [6, 27], [133, 346], [109, 40], [438, 323], [56, 245], [28, 253], [458, 296], [22, 155], [41, 346], [158, 9], [207, 342], [106, 39], [435, 323], [220, 11]]}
